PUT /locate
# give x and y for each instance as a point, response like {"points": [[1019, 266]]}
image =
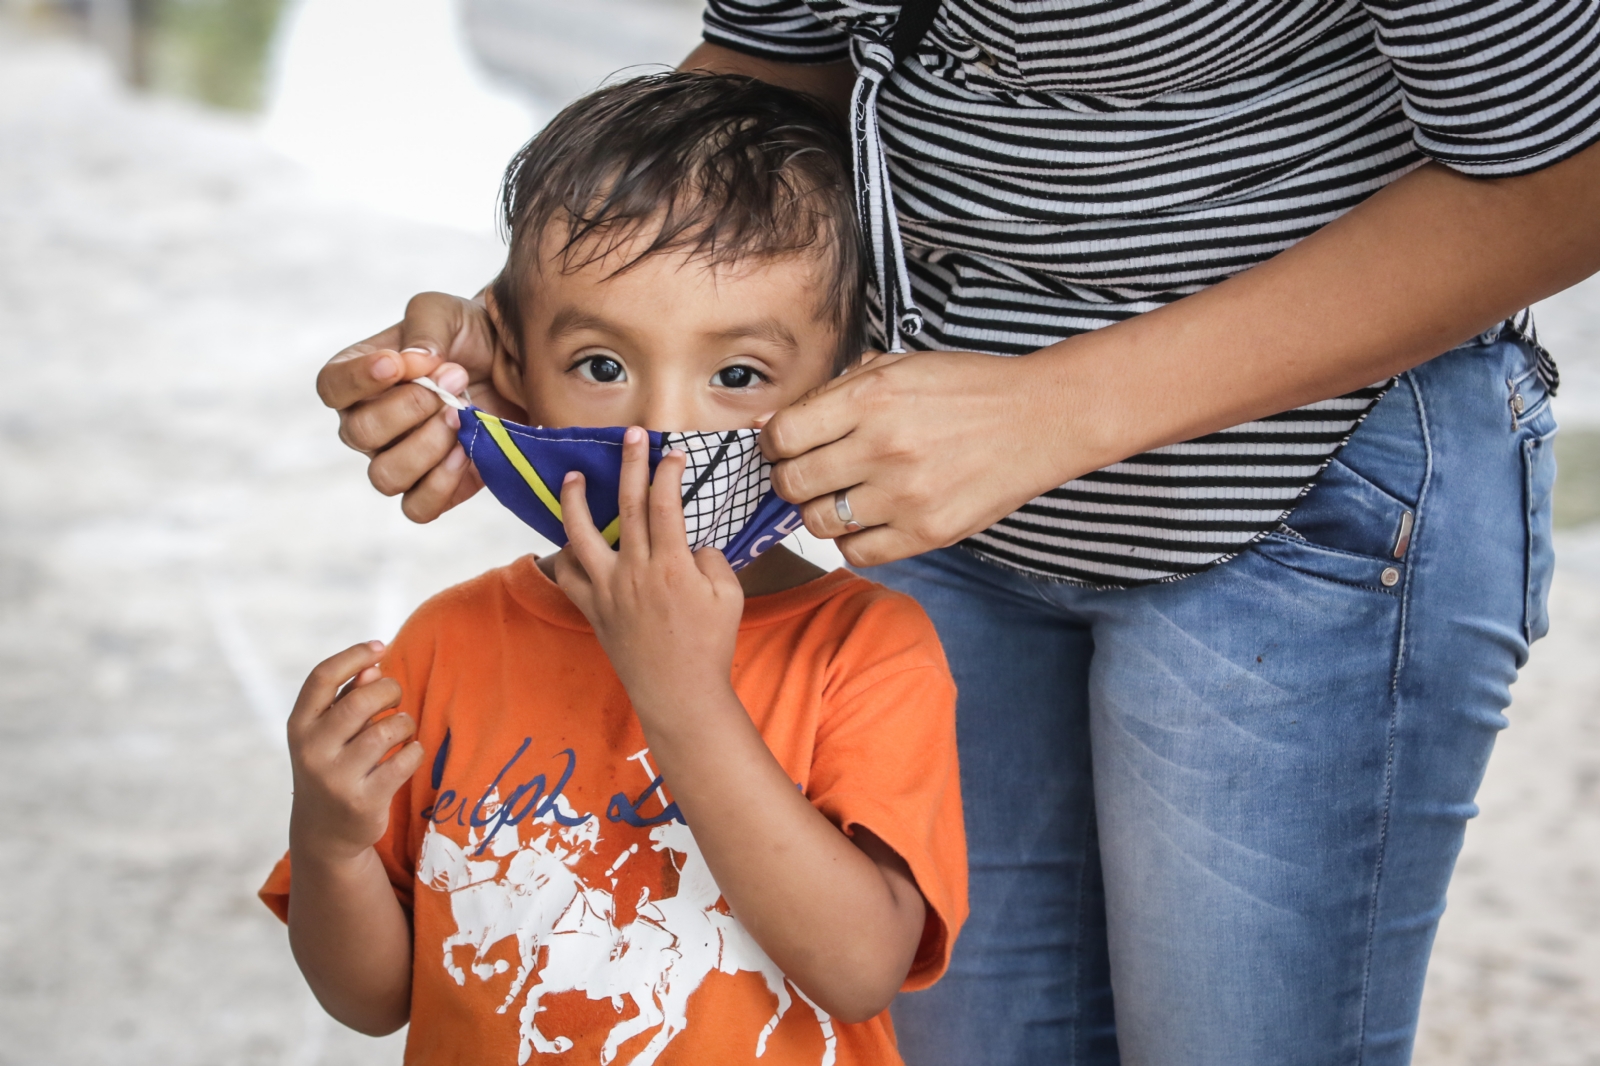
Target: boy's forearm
{"points": [[825, 912], [352, 939]]}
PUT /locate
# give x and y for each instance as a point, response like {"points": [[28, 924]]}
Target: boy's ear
{"points": [[506, 373]]}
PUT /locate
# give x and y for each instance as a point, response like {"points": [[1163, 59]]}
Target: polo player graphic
{"points": [[529, 891]]}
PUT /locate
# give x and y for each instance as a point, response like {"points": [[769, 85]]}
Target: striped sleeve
{"points": [[1496, 88], [783, 30]]}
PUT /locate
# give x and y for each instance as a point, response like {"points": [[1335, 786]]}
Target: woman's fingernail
{"points": [[452, 379], [571, 476], [375, 645], [633, 436], [452, 418], [762, 420], [416, 351], [384, 368], [456, 459]]}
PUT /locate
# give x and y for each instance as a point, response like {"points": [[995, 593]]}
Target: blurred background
{"points": [[202, 200]]}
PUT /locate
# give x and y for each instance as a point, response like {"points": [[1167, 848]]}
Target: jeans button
{"points": [[1389, 578]]}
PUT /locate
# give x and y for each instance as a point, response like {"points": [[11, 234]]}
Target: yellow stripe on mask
{"points": [[513, 454]]}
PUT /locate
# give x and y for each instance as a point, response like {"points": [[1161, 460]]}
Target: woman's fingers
{"points": [[441, 488], [450, 327], [817, 419], [633, 493], [367, 368], [407, 460], [868, 506], [447, 338], [375, 422], [878, 545], [823, 471], [667, 531]]}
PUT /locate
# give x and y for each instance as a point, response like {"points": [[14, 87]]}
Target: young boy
{"points": [[507, 861]]}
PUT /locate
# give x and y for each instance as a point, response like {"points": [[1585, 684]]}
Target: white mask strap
{"points": [[435, 388]]}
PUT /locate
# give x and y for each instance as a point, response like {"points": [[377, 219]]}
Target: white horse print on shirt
{"points": [[530, 891]]}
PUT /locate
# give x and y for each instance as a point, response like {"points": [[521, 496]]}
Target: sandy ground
{"points": [[181, 537]]}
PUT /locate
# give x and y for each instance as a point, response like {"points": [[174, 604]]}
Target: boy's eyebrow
{"points": [[767, 329], [572, 319]]}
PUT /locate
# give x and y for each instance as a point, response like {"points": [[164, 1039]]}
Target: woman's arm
{"points": [[406, 432], [937, 446]]}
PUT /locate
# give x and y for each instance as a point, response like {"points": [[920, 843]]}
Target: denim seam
{"points": [[1394, 722], [1379, 589], [1300, 538], [1077, 983]]}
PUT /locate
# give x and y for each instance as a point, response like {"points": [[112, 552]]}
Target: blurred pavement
{"points": [[182, 537]]}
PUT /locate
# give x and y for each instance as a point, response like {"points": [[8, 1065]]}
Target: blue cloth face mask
{"points": [[728, 500]]}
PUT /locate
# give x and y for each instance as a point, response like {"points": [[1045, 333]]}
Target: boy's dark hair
{"points": [[729, 167]]}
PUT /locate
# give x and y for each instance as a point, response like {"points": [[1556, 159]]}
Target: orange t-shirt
{"points": [[561, 908]]}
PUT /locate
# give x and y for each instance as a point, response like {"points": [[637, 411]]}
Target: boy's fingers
{"points": [[389, 775], [667, 531], [322, 686], [572, 580], [351, 714], [584, 541], [714, 565], [633, 491], [365, 677], [367, 748]]}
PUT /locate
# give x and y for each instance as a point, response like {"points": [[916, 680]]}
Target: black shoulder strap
{"points": [[916, 16]]}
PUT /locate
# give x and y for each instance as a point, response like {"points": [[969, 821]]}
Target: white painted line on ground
{"points": [[268, 700]]}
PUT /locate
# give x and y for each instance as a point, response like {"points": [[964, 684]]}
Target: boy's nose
{"points": [[668, 407]]}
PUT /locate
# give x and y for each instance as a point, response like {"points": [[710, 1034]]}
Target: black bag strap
{"points": [[916, 16]]}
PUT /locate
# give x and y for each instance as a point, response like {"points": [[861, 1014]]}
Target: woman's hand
{"points": [[929, 448], [667, 619], [407, 432]]}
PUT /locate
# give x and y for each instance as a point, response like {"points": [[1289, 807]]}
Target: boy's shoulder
{"points": [[858, 625], [515, 594]]}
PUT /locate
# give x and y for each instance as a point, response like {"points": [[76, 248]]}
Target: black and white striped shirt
{"points": [[1059, 165]]}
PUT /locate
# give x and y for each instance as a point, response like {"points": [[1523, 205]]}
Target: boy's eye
{"points": [[736, 377], [602, 369]]}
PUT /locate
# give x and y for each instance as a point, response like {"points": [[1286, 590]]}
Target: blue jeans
{"points": [[1211, 822]]}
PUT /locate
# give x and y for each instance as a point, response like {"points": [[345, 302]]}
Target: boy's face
{"points": [[670, 343]]}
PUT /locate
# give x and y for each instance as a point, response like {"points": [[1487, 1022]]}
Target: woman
{"points": [[1220, 734]]}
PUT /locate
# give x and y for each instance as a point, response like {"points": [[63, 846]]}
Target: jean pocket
{"points": [[1539, 481], [1349, 513], [1288, 549]]}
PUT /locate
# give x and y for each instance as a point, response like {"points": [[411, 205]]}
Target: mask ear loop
{"points": [[435, 388]]}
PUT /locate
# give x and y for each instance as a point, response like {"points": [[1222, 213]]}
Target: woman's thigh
{"points": [[1286, 748], [1028, 980]]}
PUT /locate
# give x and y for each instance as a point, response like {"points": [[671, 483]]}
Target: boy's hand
{"points": [[667, 618], [342, 782]]}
